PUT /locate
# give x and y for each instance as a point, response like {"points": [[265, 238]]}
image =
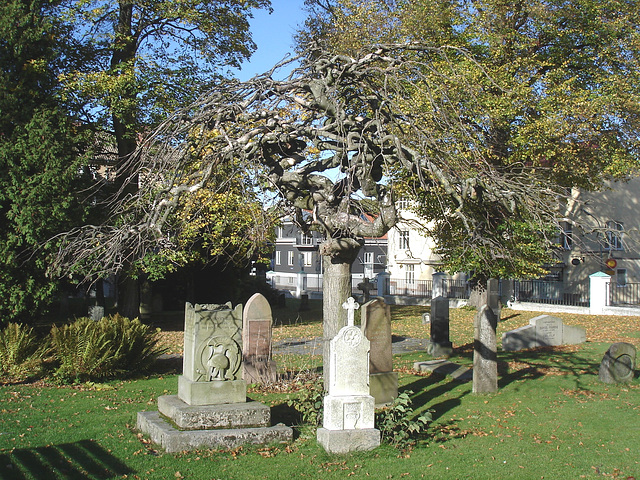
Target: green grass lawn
{"points": [[551, 419]]}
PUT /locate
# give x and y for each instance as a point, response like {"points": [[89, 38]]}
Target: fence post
{"points": [[383, 283], [598, 290]]}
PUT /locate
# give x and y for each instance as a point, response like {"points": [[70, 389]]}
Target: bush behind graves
{"points": [[113, 346], [21, 351]]}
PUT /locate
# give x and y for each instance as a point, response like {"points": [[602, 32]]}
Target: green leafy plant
{"points": [[21, 351], [309, 403], [398, 424], [114, 346]]}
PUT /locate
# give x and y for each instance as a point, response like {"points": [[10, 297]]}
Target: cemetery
{"points": [[160, 179], [552, 415]]}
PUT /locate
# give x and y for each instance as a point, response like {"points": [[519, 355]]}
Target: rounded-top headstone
{"points": [[618, 363]]}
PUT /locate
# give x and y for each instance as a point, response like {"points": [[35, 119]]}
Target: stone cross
{"points": [[350, 306]]}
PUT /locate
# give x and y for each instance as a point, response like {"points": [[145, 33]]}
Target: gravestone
{"points": [[618, 363], [212, 355], [211, 408], [376, 325], [348, 419], [440, 345], [485, 356], [542, 331], [258, 366]]}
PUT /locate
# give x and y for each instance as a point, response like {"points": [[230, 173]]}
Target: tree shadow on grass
{"points": [[79, 460]]}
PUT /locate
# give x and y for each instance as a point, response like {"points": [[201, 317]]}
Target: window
{"points": [[368, 258], [566, 236], [306, 239], [279, 232], [614, 235], [308, 259], [410, 274], [403, 240], [403, 204], [290, 256], [621, 277], [278, 257]]}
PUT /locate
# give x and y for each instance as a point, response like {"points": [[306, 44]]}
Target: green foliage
{"points": [[21, 351], [40, 147], [114, 346], [547, 97], [398, 423], [309, 403]]}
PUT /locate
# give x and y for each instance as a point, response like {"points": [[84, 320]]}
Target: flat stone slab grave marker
{"points": [[258, 365], [376, 325], [211, 408], [542, 331], [348, 420]]}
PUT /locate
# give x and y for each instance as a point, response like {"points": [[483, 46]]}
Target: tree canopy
{"points": [[548, 90], [41, 147]]}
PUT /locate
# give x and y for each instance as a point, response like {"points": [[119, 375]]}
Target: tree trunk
{"points": [[338, 256], [128, 297]]}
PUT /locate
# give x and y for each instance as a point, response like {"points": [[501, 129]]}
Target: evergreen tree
{"points": [[40, 149]]}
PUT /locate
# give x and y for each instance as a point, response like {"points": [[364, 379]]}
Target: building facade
{"points": [[297, 252]]}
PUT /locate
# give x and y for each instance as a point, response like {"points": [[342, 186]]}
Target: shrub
{"points": [[21, 351], [397, 423], [114, 346], [309, 403]]}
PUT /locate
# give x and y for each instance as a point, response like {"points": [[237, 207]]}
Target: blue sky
{"points": [[273, 34]]}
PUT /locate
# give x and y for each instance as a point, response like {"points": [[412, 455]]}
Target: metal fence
{"points": [[628, 294], [551, 292], [424, 288]]}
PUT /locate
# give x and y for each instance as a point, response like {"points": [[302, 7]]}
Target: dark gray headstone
{"points": [[440, 344], [618, 363]]}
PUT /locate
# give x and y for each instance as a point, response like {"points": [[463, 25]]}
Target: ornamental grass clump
{"points": [[111, 347], [21, 352]]}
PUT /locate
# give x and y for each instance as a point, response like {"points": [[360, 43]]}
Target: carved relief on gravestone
{"points": [[618, 363], [212, 355], [212, 338]]}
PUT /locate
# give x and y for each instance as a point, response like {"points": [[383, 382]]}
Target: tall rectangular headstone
{"points": [[258, 366], [376, 325], [440, 344], [212, 355], [485, 356]]}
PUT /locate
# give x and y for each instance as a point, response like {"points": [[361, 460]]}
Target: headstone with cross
{"points": [[348, 421]]}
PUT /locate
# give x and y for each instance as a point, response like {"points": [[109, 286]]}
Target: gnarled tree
{"points": [[337, 131]]}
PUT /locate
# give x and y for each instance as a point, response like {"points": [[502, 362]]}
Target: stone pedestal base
{"points": [[346, 412], [345, 441], [174, 440], [383, 387], [211, 393], [440, 349], [234, 415]]}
